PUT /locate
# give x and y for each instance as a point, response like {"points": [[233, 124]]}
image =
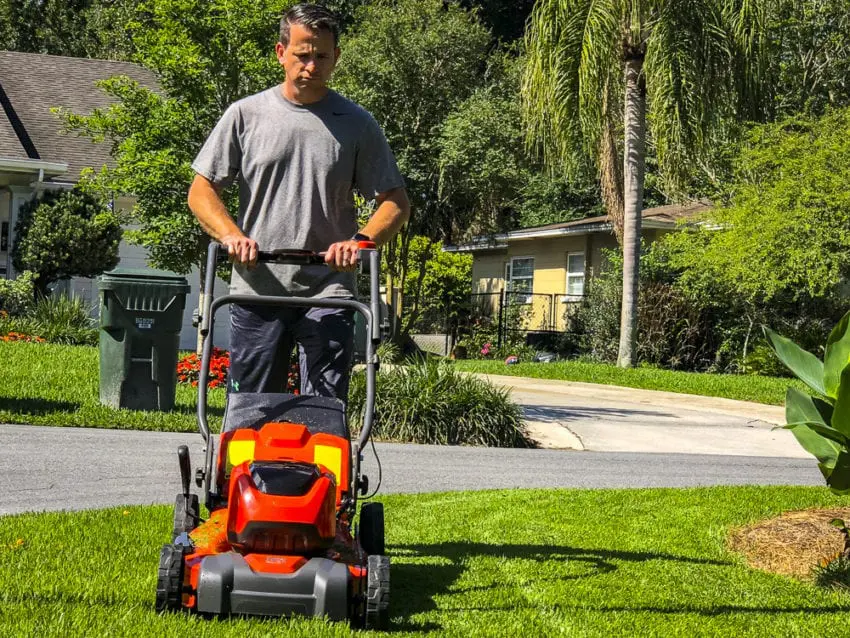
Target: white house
{"points": [[36, 155]]}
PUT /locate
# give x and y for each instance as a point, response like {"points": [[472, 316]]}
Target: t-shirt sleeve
{"points": [[221, 155], [376, 170]]}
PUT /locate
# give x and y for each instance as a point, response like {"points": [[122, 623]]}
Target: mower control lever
{"points": [[185, 468]]}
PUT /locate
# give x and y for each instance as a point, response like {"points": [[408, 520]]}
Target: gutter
{"points": [[40, 167], [500, 241]]}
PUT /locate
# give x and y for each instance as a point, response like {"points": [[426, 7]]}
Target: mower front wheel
{"points": [[169, 583], [371, 530], [186, 515], [377, 592]]}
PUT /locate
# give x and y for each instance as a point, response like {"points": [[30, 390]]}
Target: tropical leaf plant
{"points": [[821, 421]]}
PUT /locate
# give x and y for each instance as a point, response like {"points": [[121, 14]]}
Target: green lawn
{"points": [[47, 384], [769, 390], [501, 563]]}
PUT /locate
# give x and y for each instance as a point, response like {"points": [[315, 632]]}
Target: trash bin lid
{"points": [[142, 276]]}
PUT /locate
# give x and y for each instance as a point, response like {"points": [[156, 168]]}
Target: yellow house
{"points": [[546, 268]]}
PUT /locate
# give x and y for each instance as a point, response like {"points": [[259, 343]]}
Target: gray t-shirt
{"points": [[297, 167]]}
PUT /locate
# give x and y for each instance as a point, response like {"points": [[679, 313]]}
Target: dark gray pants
{"points": [[262, 337]]}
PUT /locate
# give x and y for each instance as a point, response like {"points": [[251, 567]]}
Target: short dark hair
{"points": [[313, 16]]}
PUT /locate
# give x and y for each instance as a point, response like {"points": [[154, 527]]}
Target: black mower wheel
{"points": [[185, 518], [372, 528], [377, 592], [169, 583]]}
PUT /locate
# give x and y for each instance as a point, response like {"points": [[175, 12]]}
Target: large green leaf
{"points": [[837, 355], [841, 414], [839, 479], [804, 364], [825, 432], [800, 407]]}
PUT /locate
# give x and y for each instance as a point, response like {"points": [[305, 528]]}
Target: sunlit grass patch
{"points": [[501, 563]]}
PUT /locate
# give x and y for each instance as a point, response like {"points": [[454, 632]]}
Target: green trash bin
{"points": [[141, 313]]}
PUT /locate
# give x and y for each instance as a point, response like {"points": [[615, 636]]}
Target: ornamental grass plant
{"points": [[56, 319], [427, 401]]}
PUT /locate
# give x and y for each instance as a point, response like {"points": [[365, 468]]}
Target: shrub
{"points": [[481, 338], [16, 295], [64, 234], [55, 320], [833, 573], [431, 402]]}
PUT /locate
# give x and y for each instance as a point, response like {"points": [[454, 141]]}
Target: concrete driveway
{"points": [[586, 416]]}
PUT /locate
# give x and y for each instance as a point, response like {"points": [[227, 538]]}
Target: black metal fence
{"points": [[508, 318]]}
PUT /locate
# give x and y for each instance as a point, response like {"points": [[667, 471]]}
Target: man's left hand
{"points": [[343, 255]]}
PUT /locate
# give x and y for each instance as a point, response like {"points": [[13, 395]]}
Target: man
{"points": [[298, 150]]}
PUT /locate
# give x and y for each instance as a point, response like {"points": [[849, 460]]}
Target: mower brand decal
{"points": [[144, 323], [238, 452], [330, 457]]}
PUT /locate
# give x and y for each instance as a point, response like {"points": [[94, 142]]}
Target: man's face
{"points": [[308, 60]]}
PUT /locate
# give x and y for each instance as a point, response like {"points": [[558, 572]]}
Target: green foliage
{"points": [[411, 63], [16, 295], [787, 231], [701, 66], [811, 61], [674, 329], [833, 573], [479, 336], [821, 425], [56, 319], [65, 234], [430, 402], [486, 171], [437, 283], [206, 55], [76, 28]]}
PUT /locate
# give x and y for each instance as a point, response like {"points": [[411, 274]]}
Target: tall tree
{"points": [[600, 72], [411, 63]]}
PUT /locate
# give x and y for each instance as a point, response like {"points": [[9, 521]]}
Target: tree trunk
{"points": [[634, 159], [610, 172]]}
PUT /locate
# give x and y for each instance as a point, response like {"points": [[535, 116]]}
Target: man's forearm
{"points": [[207, 206], [209, 209], [392, 213]]}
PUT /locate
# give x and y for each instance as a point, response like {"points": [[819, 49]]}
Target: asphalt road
{"points": [[47, 468]]}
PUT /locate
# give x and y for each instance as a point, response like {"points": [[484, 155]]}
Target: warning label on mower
{"points": [[144, 323]]}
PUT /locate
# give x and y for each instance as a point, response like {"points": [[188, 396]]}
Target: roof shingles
{"points": [[36, 83]]}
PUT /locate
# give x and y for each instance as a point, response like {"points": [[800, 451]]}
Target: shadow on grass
{"points": [[416, 584], [36, 406], [193, 410]]}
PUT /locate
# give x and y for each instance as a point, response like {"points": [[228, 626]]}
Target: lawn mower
{"points": [[281, 491]]}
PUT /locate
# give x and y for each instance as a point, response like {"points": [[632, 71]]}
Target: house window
{"points": [[575, 277], [519, 277]]}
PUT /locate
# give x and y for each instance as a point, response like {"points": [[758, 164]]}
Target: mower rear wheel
{"points": [[377, 592], [372, 528], [169, 583], [186, 515]]}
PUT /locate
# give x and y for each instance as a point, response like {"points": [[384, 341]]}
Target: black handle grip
{"points": [[281, 256], [291, 256]]}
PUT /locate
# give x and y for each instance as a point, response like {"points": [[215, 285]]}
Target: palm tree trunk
{"points": [[634, 160]]}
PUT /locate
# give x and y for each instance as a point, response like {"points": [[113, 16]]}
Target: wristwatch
{"points": [[361, 237]]}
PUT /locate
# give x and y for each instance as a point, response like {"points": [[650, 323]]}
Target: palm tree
{"points": [[599, 73]]}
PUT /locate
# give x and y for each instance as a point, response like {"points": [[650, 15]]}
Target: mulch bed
{"points": [[791, 544]]}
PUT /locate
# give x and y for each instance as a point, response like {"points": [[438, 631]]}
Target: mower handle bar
{"points": [[371, 313]]}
